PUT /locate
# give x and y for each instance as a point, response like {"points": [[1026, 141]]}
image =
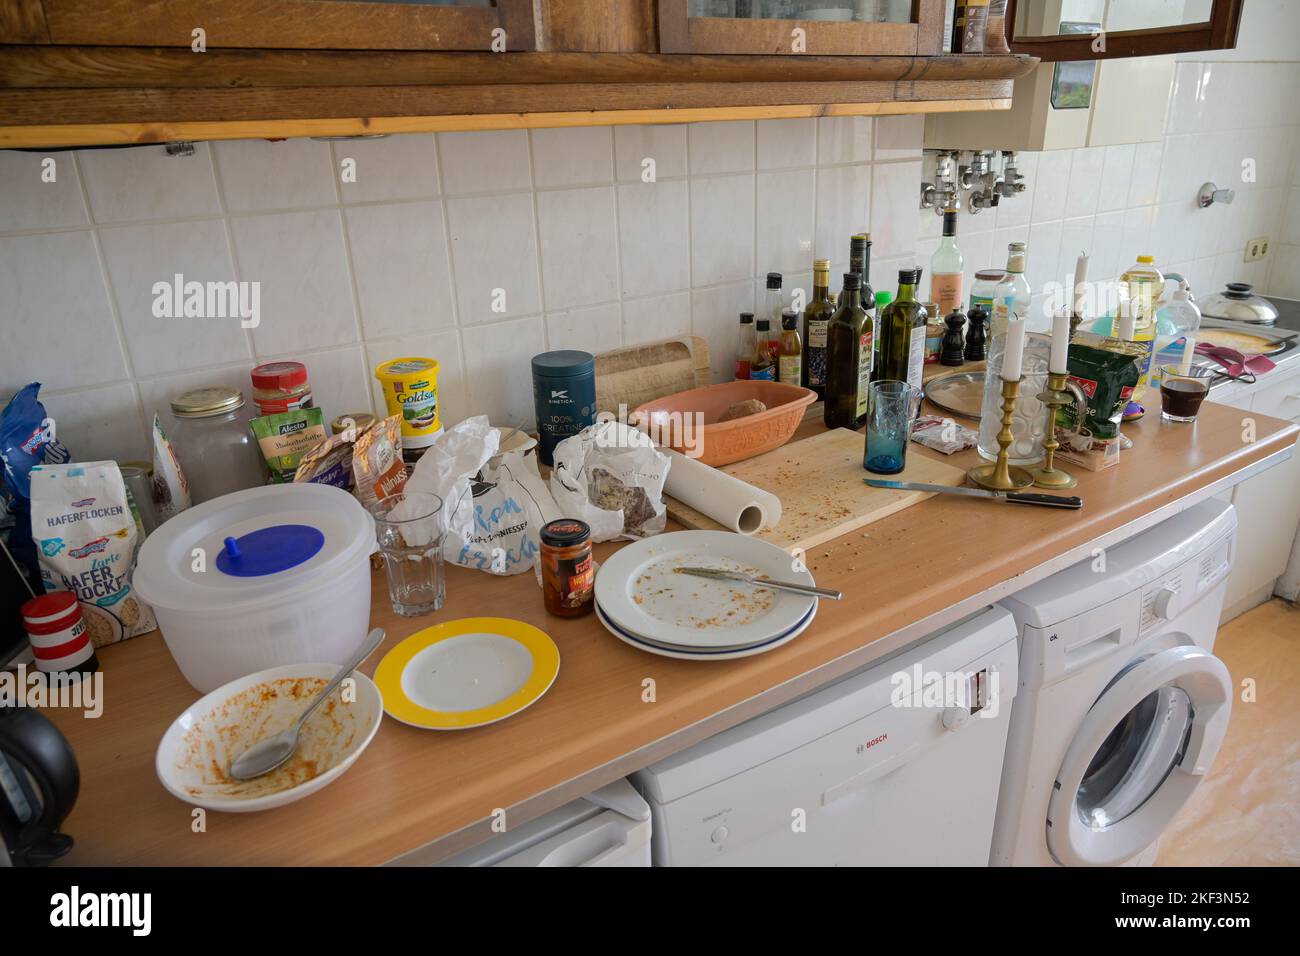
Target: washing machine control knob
{"points": [[1166, 603], [954, 718]]}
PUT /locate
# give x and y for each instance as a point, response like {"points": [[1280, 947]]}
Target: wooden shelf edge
{"points": [[59, 136]]}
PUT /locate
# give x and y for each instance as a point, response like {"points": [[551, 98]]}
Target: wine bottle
{"points": [[946, 269], [902, 334], [860, 262], [815, 318], [848, 358]]}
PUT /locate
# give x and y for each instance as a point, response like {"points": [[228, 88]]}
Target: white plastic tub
{"points": [[296, 591]]}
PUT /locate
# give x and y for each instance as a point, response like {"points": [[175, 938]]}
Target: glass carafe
{"points": [[1029, 419]]}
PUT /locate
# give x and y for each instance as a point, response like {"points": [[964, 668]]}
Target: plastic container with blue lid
{"points": [[564, 397], [273, 575]]}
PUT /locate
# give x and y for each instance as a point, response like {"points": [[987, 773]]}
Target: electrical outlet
{"points": [[1256, 249]]}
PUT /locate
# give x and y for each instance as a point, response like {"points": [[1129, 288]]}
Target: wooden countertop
{"points": [[412, 787]]}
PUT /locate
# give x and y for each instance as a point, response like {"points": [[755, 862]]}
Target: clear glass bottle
{"points": [[1011, 297], [763, 367], [946, 267], [214, 444], [774, 301], [789, 362]]}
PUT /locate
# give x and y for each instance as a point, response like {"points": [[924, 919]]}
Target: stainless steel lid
{"points": [[1238, 303]]}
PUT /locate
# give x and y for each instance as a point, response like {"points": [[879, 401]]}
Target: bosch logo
{"points": [[875, 740]]}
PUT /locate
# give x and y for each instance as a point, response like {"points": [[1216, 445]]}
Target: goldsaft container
{"points": [[564, 397], [411, 390]]}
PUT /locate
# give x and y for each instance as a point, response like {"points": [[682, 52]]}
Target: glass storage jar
{"points": [[213, 442], [1029, 417]]}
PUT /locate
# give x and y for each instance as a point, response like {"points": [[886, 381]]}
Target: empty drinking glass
{"points": [[891, 409], [409, 530]]}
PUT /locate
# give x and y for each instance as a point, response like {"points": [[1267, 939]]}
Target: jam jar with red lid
{"points": [[568, 571]]}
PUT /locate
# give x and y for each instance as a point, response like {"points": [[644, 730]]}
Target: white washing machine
{"points": [[897, 764], [1122, 706]]}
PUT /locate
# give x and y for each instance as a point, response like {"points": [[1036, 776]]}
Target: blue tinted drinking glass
{"points": [[891, 409]]}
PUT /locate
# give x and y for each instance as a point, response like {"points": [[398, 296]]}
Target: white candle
{"points": [[1080, 280], [1059, 358], [1014, 353], [1189, 349]]}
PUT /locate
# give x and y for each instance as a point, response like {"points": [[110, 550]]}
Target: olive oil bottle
{"points": [[815, 319], [848, 358], [902, 334]]}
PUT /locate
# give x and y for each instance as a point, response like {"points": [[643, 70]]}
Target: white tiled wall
{"points": [[409, 258], [1118, 202]]}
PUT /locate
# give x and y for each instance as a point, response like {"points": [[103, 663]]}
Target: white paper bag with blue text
{"points": [[494, 504]]}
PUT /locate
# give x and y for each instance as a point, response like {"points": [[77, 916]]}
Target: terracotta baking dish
{"points": [[722, 443]]}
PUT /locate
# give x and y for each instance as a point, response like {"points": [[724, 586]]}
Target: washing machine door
{"points": [[1140, 751]]}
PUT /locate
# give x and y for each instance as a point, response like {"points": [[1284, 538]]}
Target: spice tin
{"points": [[58, 634], [411, 391]]}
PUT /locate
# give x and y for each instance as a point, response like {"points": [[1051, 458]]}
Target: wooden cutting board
{"points": [[823, 496]]}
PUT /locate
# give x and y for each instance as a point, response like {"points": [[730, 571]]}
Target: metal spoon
{"points": [[269, 753]]}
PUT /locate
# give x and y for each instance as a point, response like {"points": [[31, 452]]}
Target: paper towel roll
{"points": [[732, 503]]}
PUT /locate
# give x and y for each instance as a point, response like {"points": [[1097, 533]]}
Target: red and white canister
{"points": [[59, 637]]}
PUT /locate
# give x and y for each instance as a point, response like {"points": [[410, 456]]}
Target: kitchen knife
{"points": [[1020, 497], [720, 574]]}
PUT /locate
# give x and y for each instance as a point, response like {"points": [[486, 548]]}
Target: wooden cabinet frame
{"points": [[1218, 33], [681, 33], [268, 24]]}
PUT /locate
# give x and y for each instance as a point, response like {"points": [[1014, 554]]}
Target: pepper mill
{"points": [[977, 349], [950, 351]]}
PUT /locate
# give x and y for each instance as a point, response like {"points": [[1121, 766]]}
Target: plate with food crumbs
{"points": [[708, 653], [194, 756], [641, 590]]}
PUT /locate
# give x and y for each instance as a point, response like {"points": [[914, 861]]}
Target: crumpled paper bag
{"points": [[612, 477], [494, 505]]}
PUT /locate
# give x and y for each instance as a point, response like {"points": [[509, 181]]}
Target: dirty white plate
{"points": [[706, 654], [638, 590], [197, 748]]}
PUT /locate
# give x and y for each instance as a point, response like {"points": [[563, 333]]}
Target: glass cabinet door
{"points": [[794, 27], [1050, 29], [296, 24]]}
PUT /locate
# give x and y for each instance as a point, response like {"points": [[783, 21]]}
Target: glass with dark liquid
{"points": [[1181, 393]]}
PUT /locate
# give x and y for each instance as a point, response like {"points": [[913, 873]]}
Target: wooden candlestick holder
{"points": [[1000, 475]]}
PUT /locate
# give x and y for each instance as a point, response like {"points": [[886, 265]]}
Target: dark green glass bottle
{"points": [[902, 334], [848, 358]]}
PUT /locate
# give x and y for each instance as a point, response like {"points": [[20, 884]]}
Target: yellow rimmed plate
{"points": [[467, 673]]}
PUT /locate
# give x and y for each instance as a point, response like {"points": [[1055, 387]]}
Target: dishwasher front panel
{"points": [[889, 785]]}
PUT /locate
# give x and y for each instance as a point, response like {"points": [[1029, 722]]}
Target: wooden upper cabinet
{"points": [[1082, 30], [283, 24], [795, 27]]}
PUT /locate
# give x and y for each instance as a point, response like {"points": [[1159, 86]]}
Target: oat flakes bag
{"points": [[87, 538]]}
